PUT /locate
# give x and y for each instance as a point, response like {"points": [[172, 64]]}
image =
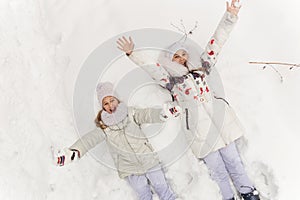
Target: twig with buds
{"points": [[291, 65], [270, 64]]}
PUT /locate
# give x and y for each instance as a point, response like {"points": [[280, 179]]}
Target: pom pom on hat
{"points": [[103, 90]]}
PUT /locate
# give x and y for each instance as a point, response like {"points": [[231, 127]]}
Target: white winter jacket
{"points": [[128, 145], [209, 121]]}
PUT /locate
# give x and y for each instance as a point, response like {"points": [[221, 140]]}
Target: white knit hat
{"points": [[104, 89]]}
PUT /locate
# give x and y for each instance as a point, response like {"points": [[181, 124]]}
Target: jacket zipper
{"points": [[132, 150], [187, 119]]}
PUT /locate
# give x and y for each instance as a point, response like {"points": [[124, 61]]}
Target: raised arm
{"points": [[154, 69], [220, 36], [88, 141]]}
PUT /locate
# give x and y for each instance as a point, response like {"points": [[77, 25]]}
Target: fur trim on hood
{"points": [[175, 69]]}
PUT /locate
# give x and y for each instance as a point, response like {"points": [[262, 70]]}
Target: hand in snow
{"points": [[66, 156], [234, 7], [170, 110], [125, 45]]}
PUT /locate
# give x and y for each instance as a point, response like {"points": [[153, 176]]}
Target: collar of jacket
{"points": [[120, 126]]}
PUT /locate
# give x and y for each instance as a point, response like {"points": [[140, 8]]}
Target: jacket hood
{"points": [[176, 69]]}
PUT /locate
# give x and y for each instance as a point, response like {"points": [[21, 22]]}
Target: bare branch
{"points": [[270, 64], [276, 63], [281, 77]]}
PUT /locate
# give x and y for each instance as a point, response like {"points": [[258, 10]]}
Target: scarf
{"points": [[116, 117]]}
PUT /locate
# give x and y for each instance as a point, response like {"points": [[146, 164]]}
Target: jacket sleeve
{"points": [[215, 44], [155, 70], [146, 115], [88, 141]]}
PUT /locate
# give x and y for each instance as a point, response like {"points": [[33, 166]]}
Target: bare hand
{"points": [[125, 45], [234, 7]]}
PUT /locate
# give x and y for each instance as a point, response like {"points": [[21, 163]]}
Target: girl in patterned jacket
{"points": [[210, 124], [133, 155]]}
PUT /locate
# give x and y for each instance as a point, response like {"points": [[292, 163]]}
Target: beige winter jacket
{"points": [[208, 120], [128, 145]]}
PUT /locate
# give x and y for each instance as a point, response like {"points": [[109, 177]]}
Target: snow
{"points": [[43, 45]]}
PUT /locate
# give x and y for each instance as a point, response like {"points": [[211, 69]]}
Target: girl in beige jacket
{"points": [[133, 155]]}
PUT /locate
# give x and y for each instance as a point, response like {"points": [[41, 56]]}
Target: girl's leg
{"points": [[141, 186], [236, 168], [160, 185], [219, 173]]}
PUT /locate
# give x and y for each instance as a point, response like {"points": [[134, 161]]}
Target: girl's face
{"points": [[180, 57], [110, 104]]}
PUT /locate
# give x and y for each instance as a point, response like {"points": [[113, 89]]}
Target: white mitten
{"points": [[170, 110], [67, 156]]}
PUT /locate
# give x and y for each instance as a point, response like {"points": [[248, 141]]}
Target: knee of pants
{"points": [[234, 163], [219, 174], [160, 186], [142, 190], [163, 190]]}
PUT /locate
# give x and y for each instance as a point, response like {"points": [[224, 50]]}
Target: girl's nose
{"points": [[111, 106]]}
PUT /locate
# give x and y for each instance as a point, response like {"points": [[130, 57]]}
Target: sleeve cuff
{"points": [[229, 17]]}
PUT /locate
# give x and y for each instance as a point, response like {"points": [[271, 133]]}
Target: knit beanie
{"points": [[104, 89]]}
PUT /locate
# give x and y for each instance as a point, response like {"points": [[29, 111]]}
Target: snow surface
{"points": [[43, 45]]}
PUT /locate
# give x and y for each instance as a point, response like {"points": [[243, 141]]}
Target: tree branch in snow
{"points": [[291, 65], [271, 65]]}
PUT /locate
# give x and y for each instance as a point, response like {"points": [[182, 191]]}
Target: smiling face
{"points": [[180, 57], [110, 104]]}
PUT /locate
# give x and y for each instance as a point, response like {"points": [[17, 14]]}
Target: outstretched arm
{"points": [[154, 115], [155, 70], [88, 141], [79, 148], [217, 41]]}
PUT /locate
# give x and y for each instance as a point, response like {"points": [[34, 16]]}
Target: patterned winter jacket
{"points": [[209, 122], [128, 145]]}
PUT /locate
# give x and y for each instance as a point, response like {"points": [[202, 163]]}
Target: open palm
{"points": [[125, 45]]}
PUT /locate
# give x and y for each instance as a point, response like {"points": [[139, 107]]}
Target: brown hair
{"points": [[98, 121]]}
